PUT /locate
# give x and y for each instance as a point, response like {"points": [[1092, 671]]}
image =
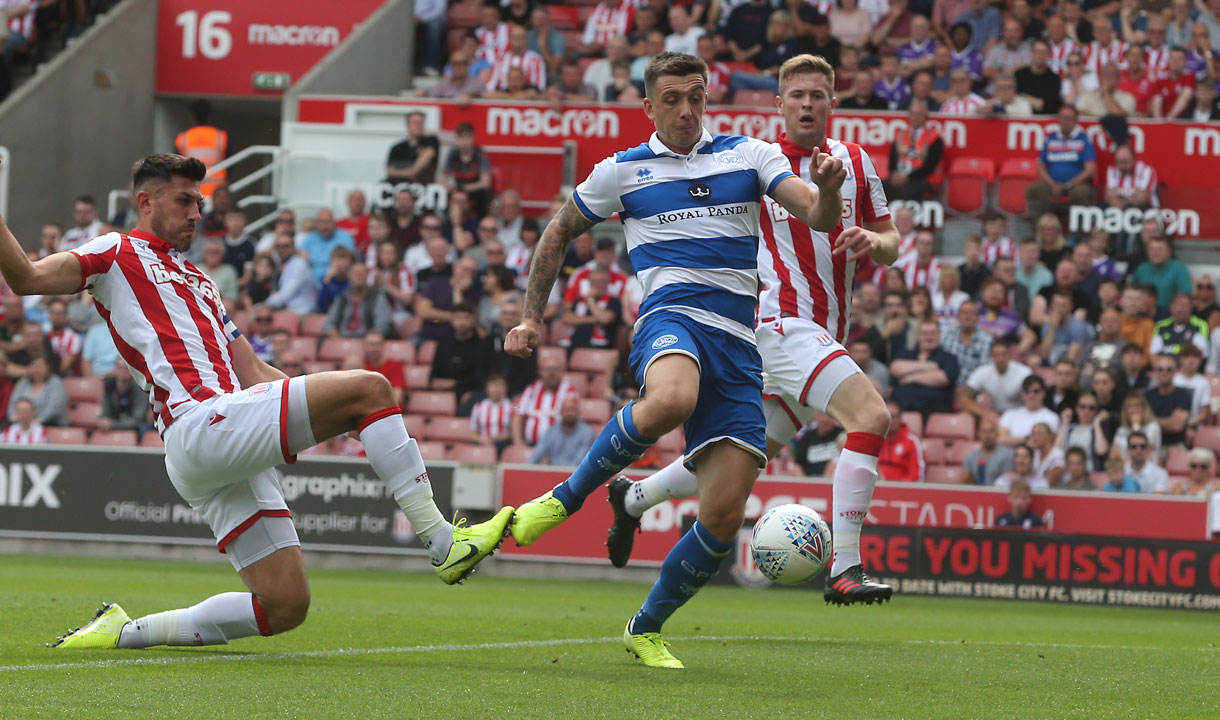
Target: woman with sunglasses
{"points": [[1137, 417], [1201, 482], [1084, 427]]}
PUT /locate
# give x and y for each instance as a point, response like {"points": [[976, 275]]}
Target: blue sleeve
{"points": [[1042, 154], [768, 161]]}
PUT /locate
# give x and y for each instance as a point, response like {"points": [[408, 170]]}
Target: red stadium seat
{"points": [[418, 377], [425, 352], [934, 451], [448, 430], [151, 440], [464, 14], [744, 66], [1016, 174], [566, 17], [1208, 436], [240, 318], [471, 454], [338, 349], [515, 454], [68, 436], [312, 324], [400, 351], [579, 382], [410, 328], [959, 450], [432, 450], [599, 385], [593, 361], [1047, 374], [966, 185], [115, 438], [306, 348], [317, 366], [442, 404], [595, 412], [286, 320], [85, 415], [84, 389], [415, 423], [1099, 479], [557, 353], [914, 423], [946, 474], [1178, 462], [754, 98], [951, 426]]}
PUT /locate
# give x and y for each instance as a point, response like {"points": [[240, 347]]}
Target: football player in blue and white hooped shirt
{"points": [[689, 203]]}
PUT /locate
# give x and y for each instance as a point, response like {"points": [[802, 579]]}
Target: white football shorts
{"points": [[803, 365], [221, 457]]}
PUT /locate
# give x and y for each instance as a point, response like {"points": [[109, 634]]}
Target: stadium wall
{"points": [[77, 124]]}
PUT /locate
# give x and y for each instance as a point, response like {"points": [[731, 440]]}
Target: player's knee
{"points": [[376, 390], [665, 408], [286, 611], [875, 418], [722, 522]]}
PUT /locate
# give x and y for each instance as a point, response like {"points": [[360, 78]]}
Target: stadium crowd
{"points": [[1047, 360]]}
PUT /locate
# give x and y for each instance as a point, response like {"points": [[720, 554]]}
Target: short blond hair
{"points": [[804, 64]]}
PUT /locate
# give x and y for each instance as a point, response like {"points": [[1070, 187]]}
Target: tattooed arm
{"points": [[544, 268]]}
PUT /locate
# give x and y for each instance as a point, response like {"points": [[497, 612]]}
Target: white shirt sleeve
{"points": [[770, 163], [598, 196]]}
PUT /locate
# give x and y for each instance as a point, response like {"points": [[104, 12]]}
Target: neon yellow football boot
{"points": [[472, 544], [100, 632], [651, 649], [536, 517]]}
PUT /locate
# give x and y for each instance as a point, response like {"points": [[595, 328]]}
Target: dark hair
{"points": [[1077, 450], [463, 307], [505, 278], [962, 25], [495, 377], [819, 19], [164, 167], [464, 128], [1189, 350], [530, 224], [201, 111], [604, 243], [1032, 381], [672, 63], [1137, 434]]}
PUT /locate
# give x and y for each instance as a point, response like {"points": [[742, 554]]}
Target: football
{"points": [[790, 544]]}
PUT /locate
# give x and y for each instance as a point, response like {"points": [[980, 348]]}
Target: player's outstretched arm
{"points": [[58, 274], [821, 206], [879, 240], [544, 268]]}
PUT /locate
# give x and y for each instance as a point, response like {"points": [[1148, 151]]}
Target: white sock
{"points": [[671, 482], [214, 621], [854, 480], [395, 457]]}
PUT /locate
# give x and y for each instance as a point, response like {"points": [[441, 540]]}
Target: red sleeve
{"points": [[572, 292], [96, 257]]}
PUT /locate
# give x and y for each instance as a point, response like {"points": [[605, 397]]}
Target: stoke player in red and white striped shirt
{"points": [[25, 430], [227, 418], [606, 21], [518, 56], [492, 417], [1130, 181], [806, 281], [537, 409]]}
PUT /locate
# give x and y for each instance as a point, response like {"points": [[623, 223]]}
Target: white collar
{"points": [[660, 148]]}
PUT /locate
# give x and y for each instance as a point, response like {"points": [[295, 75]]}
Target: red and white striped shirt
{"points": [[492, 419], [1142, 177], [401, 277], [1059, 55], [165, 316], [970, 105], [518, 260], [540, 407], [530, 62], [578, 285], [916, 275], [718, 76], [492, 43], [607, 21], [1157, 60], [798, 274], [1096, 56], [16, 435], [65, 342], [23, 23], [1004, 247]]}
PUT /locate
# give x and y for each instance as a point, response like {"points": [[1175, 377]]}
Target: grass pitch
{"points": [[385, 644]]}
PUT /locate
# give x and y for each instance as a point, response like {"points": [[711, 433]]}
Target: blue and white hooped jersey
{"points": [[691, 223]]}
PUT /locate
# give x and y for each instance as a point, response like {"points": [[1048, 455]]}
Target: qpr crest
{"points": [[664, 341], [730, 159]]}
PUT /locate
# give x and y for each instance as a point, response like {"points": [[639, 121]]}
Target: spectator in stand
{"points": [[1207, 106], [319, 244], [520, 372], [745, 33], [565, 442], [901, 458], [1090, 279], [944, 15], [780, 46], [973, 271], [1109, 397], [997, 317], [98, 351], [404, 221], [1065, 280], [375, 360], [1181, 328], [1117, 479], [917, 54], [1162, 271], [1169, 403], [499, 286], [285, 222], [996, 242], [1066, 166], [1201, 55], [25, 428], [238, 246], [1063, 334], [1019, 516], [623, 90], [413, 159], [356, 223], [1157, 50], [360, 309], [1131, 375], [596, 316], [88, 224], [600, 73], [1008, 55], [893, 30], [684, 33], [948, 296], [458, 82], [569, 87], [1039, 83], [1108, 98], [920, 267], [467, 168], [1130, 22], [654, 43], [1201, 482], [1138, 81], [1130, 182], [1077, 81], [1006, 101], [1062, 393], [1084, 429], [440, 259], [942, 71], [1002, 380], [862, 354], [455, 364], [45, 389], [1176, 92], [1049, 460], [491, 417], [924, 379], [986, 463], [520, 56], [1017, 423], [508, 218], [821, 42], [124, 404], [962, 101], [965, 341], [1105, 350], [220, 273], [431, 15], [1141, 466], [849, 24], [260, 333], [1105, 48], [492, 32], [1076, 476], [985, 22], [65, 342], [606, 21], [1203, 300], [921, 91], [1103, 264], [958, 54], [31, 345], [336, 279], [440, 293], [295, 288], [1181, 19], [1030, 273], [718, 74], [892, 87], [544, 39], [1189, 377], [1137, 328], [862, 97], [538, 405], [1023, 471], [897, 331], [395, 279], [50, 238]]}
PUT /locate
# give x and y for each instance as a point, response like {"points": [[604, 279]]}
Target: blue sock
{"points": [[687, 567], [618, 445]]}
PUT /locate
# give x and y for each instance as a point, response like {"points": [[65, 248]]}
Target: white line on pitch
{"points": [[558, 642]]}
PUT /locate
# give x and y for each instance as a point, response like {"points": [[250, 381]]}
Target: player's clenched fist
{"points": [[522, 340], [827, 171]]}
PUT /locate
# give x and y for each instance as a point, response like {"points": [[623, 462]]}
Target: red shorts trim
{"points": [[260, 616], [379, 415], [817, 370], [865, 443], [288, 456], [787, 410], [220, 546]]}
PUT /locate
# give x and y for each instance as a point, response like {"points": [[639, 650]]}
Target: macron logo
{"points": [[162, 275]]}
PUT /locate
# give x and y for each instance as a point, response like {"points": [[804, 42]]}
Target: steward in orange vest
{"points": [[915, 158], [208, 144]]}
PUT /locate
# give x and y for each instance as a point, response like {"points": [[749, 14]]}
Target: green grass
{"points": [[749, 653]]}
